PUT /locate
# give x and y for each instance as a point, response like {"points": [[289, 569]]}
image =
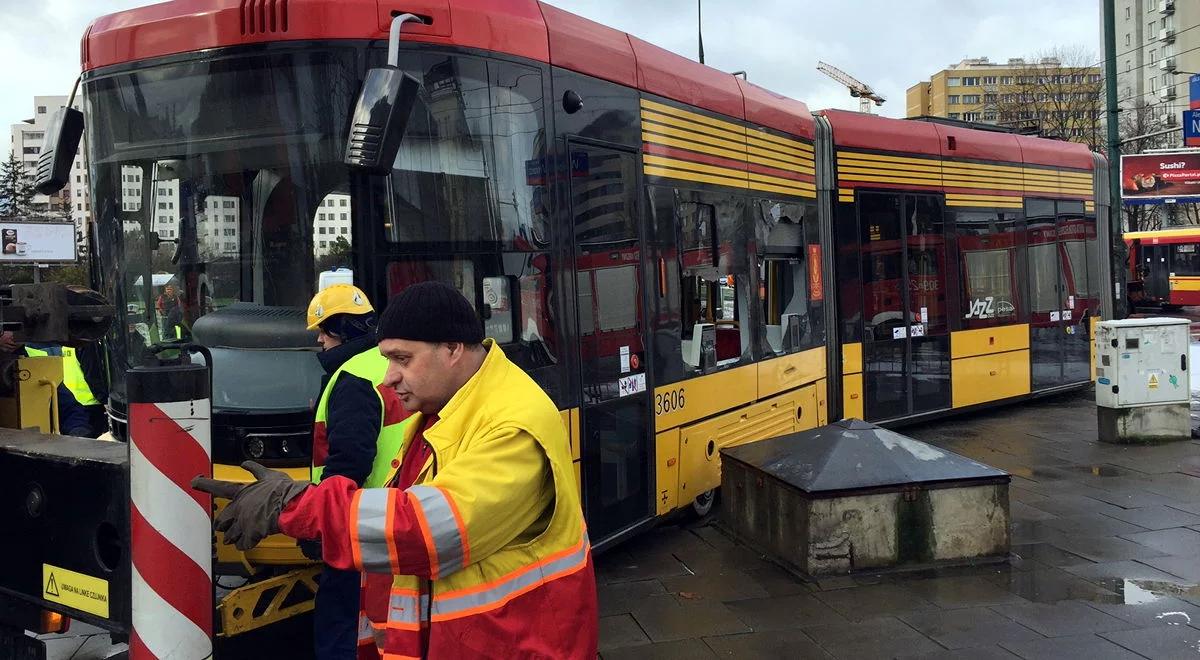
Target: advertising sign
{"points": [[1163, 178], [816, 288], [37, 242], [1194, 91], [1191, 128]]}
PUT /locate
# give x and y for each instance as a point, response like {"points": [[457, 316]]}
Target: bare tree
{"points": [[1056, 94]]}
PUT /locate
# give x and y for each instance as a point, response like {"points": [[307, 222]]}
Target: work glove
{"points": [[254, 508]]}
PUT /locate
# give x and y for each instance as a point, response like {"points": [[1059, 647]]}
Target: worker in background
{"points": [[169, 306], [80, 412], [357, 431], [477, 548]]}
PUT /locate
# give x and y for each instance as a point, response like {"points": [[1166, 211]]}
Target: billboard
{"points": [[1163, 178], [36, 242]]}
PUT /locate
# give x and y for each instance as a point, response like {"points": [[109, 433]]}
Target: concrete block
{"points": [[1144, 424]]}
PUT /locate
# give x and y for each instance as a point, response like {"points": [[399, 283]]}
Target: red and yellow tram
{"points": [[682, 259]]}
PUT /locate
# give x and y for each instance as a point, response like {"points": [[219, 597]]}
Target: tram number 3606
{"points": [[667, 402]]}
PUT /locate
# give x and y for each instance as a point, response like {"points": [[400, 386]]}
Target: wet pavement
{"points": [[1105, 564]]}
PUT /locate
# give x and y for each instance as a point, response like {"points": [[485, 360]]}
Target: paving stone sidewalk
{"points": [[1105, 563]]}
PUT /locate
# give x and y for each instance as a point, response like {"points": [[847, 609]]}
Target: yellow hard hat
{"points": [[337, 299]]}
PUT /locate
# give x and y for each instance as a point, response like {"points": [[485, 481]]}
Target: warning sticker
{"points": [[82, 592], [1153, 382]]}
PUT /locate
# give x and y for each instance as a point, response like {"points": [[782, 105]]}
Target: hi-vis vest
{"points": [[72, 373], [369, 365], [488, 594]]}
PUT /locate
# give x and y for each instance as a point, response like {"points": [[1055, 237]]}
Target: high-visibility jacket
{"points": [[488, 553], [72, 372], [371, 366]]}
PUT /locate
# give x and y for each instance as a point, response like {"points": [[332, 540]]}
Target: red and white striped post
{"points": [[170, 441]]}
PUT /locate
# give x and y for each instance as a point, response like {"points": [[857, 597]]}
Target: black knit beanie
{"points": [[433, 312]]}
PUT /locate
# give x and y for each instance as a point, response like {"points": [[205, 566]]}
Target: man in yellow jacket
{"points": [[477, 548]]}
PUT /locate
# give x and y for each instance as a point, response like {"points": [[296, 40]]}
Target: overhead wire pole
{"points": [[1116, 244]]}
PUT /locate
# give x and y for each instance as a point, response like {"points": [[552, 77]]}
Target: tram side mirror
{"points": [[380, 119], [58, 151]]}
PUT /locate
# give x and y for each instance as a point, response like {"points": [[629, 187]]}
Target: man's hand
{"points": [[253, 510]]}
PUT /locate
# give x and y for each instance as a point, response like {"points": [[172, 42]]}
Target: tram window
{"points": [[333, 253], [1185, 259], [471, 168], [925, 224], [789, 268], [714, 283], [987, 247], [849, 265], [882, 268], [1076, 256], [698, 234], [1044, 282], [1077, 291], [512, 294]]}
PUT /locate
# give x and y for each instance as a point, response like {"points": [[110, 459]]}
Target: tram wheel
{"points": [[703, 504]]}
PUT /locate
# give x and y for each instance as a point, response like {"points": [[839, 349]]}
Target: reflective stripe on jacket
{"points": [[72, 372]]}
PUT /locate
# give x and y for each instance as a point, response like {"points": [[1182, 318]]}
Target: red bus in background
{"points": [[1164, 267]]}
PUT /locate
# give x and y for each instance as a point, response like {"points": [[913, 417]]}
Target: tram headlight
{"points": [[255, 447]]}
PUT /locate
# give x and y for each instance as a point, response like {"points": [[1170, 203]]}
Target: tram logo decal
{"points": [[989, 307]]}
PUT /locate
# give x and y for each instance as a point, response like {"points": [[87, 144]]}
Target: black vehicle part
{"points": [[65, 506]]}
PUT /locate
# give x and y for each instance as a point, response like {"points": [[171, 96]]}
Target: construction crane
{"points": [[858, 90]]}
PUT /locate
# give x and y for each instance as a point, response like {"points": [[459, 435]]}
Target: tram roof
{"points": [[525, 28], [543, 33], [862, 131]]}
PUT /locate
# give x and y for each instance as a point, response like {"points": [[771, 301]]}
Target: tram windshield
{"points": [[218, 188]]}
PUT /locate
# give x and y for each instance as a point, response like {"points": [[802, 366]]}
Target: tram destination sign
{"points": [[1161, 178], [37, 242]]}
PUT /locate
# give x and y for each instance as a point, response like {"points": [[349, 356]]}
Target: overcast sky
{"points": [[889, 44]]}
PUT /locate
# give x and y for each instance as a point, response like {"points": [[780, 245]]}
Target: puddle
{"points": [[1134, 594], [1141, 592]]}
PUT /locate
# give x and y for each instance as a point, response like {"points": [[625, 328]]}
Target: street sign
{"points": [[1191, 128], [1161, 178], [1194, 91]]}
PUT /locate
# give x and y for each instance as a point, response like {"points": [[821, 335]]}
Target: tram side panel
{"points": [[736, 290], [1020, 300]]}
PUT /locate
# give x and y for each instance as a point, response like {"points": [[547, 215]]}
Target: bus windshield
{"points": [[219, 182]]}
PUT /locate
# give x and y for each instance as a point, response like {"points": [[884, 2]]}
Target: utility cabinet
{"points": [[1142, 381]]}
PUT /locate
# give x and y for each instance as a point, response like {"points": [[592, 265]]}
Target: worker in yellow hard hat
{"points": [[357, 430]]}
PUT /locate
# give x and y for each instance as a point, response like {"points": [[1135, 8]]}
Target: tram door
{"points": [[615, 406], [1158, 268], [1060, 292], [906, 338]]}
